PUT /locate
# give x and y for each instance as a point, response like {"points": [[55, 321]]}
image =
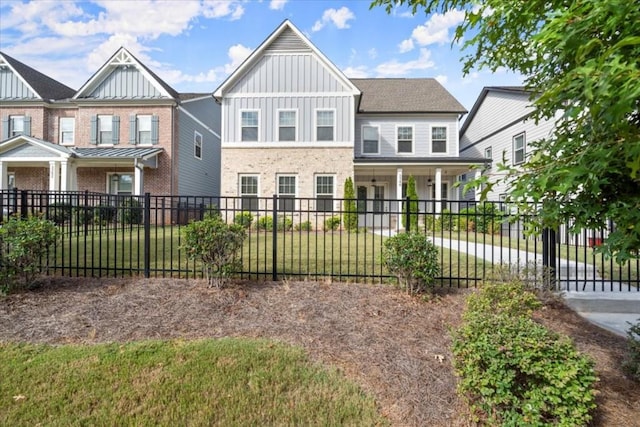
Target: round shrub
{"points": [[285, 223], [304, 226], [265, 223], [130, 212], [59, 212], [244, 219], [413, 259], [332, 223]]}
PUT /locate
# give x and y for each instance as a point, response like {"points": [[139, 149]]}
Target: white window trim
{"points": [[295, 191], [195, 144], [249, 110], [413, 140], [490, 150], [111, 174], [524, 148], [12, 117], [60, 131], [277, 127], [99, 141], [446, 152], [362, 139], [315, 124], [251, 175], [138, 143], [315, 188]]}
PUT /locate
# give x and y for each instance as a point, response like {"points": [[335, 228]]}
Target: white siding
{"points": [[125, 83], [12, 87]]}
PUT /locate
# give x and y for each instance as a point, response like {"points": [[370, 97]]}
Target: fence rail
{"points": [[313, 238]]}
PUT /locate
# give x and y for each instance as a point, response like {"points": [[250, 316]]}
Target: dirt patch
{"points": [[396, 347]]}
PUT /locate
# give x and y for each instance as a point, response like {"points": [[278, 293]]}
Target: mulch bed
{"points": [[395, 346]]}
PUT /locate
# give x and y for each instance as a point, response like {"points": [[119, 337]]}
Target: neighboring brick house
{"points": [[124, 132], [294, 125]]}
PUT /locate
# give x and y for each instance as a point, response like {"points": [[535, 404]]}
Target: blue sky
{"points": [[194, 45]]}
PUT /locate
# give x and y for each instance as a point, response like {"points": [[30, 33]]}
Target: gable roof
{"points": [[123, 57], [424, 95], [46, 146], [42, 85], [255, 56], [483, 94]]}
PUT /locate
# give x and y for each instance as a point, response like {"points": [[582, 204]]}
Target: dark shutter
{"points": [[27, 126], [5, 128], [115, 130], [155, 131], [132, 129]]}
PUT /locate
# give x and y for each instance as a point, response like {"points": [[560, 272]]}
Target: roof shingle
{"points": [[46, 87]]}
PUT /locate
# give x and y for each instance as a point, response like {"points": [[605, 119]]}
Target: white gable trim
{"points": [[121, 58], [19, 140], [260, 51], [5, 63]]}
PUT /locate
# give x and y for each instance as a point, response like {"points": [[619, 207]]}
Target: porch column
{"points": [[4, 176], [54, 176], [64, 176], [138, 184], [399, 192], [438, 195], [478, 190]]}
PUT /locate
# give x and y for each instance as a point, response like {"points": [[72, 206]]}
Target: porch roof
{"points": [[432, 161], [116, 153]]}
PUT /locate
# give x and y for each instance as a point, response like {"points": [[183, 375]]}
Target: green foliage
{"points": [[245, 219], [631, 365], [25, 243], [483, 218], [413, 259], [59, 212], [265, 223], [350, 214], [304, 226], [285, 223], [130, 211], [445, 221], [580, 59], [332, 223], [515, 372], [412, 194], [105, 213], [83, 214], [216, 244]]}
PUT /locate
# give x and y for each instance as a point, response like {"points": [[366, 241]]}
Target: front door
{"points": [[373, 208]]}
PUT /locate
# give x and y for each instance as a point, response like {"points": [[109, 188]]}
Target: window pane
{"points": [[287, 134], [324, 204], [249, 118], [287, 185], [249, 185], [325, 134], [67, 125], [405, 147], [405, 133], [287, 118], [324, 185], [249, 203], [17, 125], [370, 139], [325, 124], [249, 134], [325, 118], [439, 133], [439, 146]]}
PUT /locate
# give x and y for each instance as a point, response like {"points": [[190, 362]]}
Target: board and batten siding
{"points": [[12, 87], [197, 176], [125, 82], [421, 135]]}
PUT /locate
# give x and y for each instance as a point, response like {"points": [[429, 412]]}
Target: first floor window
{"points": [[249, 124], [67, 130], [370, 139], [249, 192], [405, 139], [197, 145], [519, 150], [121, 184], [325, 123], [439, 139], [286, 126], [324, 193], [286, 193]]}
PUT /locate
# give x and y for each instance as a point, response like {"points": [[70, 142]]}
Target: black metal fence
{"points": [[313, 238]]}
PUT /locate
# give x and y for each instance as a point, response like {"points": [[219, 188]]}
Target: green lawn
{"points": [[196, 383]]}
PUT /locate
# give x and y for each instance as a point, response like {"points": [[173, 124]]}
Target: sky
{"points": [[194, 45]]}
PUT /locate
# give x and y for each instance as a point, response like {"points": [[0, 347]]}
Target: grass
{"points": [[209, 382]]}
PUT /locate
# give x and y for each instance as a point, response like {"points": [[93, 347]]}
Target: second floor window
{"points": [[67, 130], [15, 125], [143, 129], [249, 125], [439, 139], [370, 140], [405, 139], [286, 125], [519, 149], [197, 145], [325, 123], [105, 129]]}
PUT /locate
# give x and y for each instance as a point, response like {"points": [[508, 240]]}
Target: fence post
{"points": [[407, 215], [274, 239], [24, 207], [147, 235]]}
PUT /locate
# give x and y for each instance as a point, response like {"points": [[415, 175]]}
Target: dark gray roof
{"points": [[405, 96], [46, 87], [112, 153]]}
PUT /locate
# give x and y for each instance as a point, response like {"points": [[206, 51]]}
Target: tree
{"points": [[580, 60], [412, 195], [350, 215]]}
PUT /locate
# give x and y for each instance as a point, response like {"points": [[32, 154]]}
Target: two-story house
{"points": [[125, 131], [294, 125]]}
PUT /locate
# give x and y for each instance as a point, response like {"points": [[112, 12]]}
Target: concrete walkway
{"points": [[608, 304]]}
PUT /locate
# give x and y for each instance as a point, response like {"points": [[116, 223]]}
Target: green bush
{"points": [[631, 365], [244, 219], [130, 211], [332, 223], [413, 259], [265, 223], [25, 244], [215, 244], [304, 226], [83, 215], [412, 207], [483, 218], [59, 212], [515, 372], [105, 213], [285, 223], [350, 214]]}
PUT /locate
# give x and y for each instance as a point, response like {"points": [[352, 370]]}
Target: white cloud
{"points": [[339, 17], [405, 46], [237, 53], [395, 68], [358, 72], [277, 4], [436, 29], [221, 8]]}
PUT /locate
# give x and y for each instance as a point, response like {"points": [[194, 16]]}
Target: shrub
{"points": [[265, 223], [514, 371], [412, 195], [244, 219], [285, 223], [105, 213], [25, 243], [83, 214], [304, 226], [59, 212], [332, 223], [350, 215], [130, 211], [483, 218], [214, 243], [442, 222], [413, 259], [631, 365]]}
